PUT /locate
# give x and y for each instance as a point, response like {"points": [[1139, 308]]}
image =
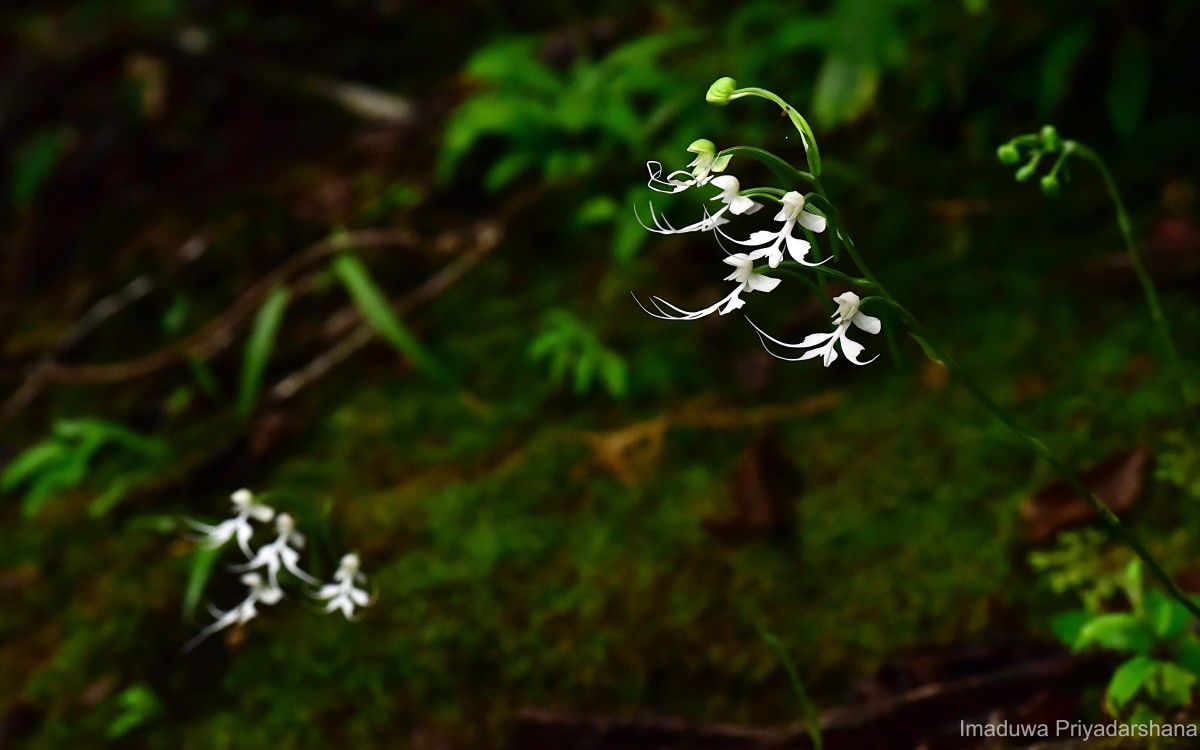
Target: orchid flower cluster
{"points": [[764, 254], [773, 247], [261, 571]]}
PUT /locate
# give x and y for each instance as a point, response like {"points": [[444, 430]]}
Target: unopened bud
{"points": [[721, 91], [1050, 184], [1050, 140], [1008, 154], [1025, 172]]}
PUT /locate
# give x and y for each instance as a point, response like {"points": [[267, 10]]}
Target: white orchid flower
{"points": [[247, 610], [238, 527], [791, 212], [701, 169], [822, 344], [343, 594], [735, 204], [281, 553], [747, 281]]}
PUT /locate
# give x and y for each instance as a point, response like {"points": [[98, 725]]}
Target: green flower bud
{"points": [[1008, 154], [721, 91], [1050, 140], [1025, 172], [703, 146], [1050, 184]]}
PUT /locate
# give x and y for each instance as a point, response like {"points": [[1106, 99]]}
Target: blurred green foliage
{"points": [[1162, 650], [79, 451], [519, 561], [574, 352]]}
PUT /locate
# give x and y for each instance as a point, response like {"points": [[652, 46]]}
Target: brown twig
{"points": [[486, 237], [212, 337]]}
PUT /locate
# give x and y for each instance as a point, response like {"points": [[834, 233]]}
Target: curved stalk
{"points": [[1175, 362], [782, 169]]}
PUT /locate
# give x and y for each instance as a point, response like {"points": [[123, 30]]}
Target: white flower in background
{"points": [[791, 212], [735, 204], [747, 281], [702, 167], [238, 527], [822, 344], [247, 610], [343, 594], [281, 553]]}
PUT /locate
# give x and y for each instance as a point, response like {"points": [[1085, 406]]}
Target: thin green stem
{"points": [[781, 167], [811, 153], [861, 283], [1175, 362], [938, 354]]}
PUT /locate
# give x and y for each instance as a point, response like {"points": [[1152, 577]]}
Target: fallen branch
{"points": [[900, 721]]}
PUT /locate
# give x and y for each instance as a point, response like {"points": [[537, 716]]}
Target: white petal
{"points": [[684, 314], [662, 226], [830, 354], [760, 283], [817, 339], [360, 597], [669, 185], [867, 323], [740, 204], [804, 344], [852, 349], [726, 182], [733, 302], [798, 248], [812, 221], [260, 512]]}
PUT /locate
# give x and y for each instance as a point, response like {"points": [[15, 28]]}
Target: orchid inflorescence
{"points": [[815, 214], [261, 571], [770, 246]]}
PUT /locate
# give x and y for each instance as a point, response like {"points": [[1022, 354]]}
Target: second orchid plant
{"points": [[262, 569], [768, 253]]}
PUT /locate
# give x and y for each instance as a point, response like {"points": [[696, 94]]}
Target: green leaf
{"points": [[34, 163], [1135, 584], [259, 346], [1130, 85], [1116, 632], [1067, 626], [514, 64], [1061, 55], [138, 705], [1128, 679], [1167, 618], [374, 306], [845, 89], [203, 561], [1187, 655], [1172, 685], [116, 491], [508, 168], [812, 720], [36, 460]]}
